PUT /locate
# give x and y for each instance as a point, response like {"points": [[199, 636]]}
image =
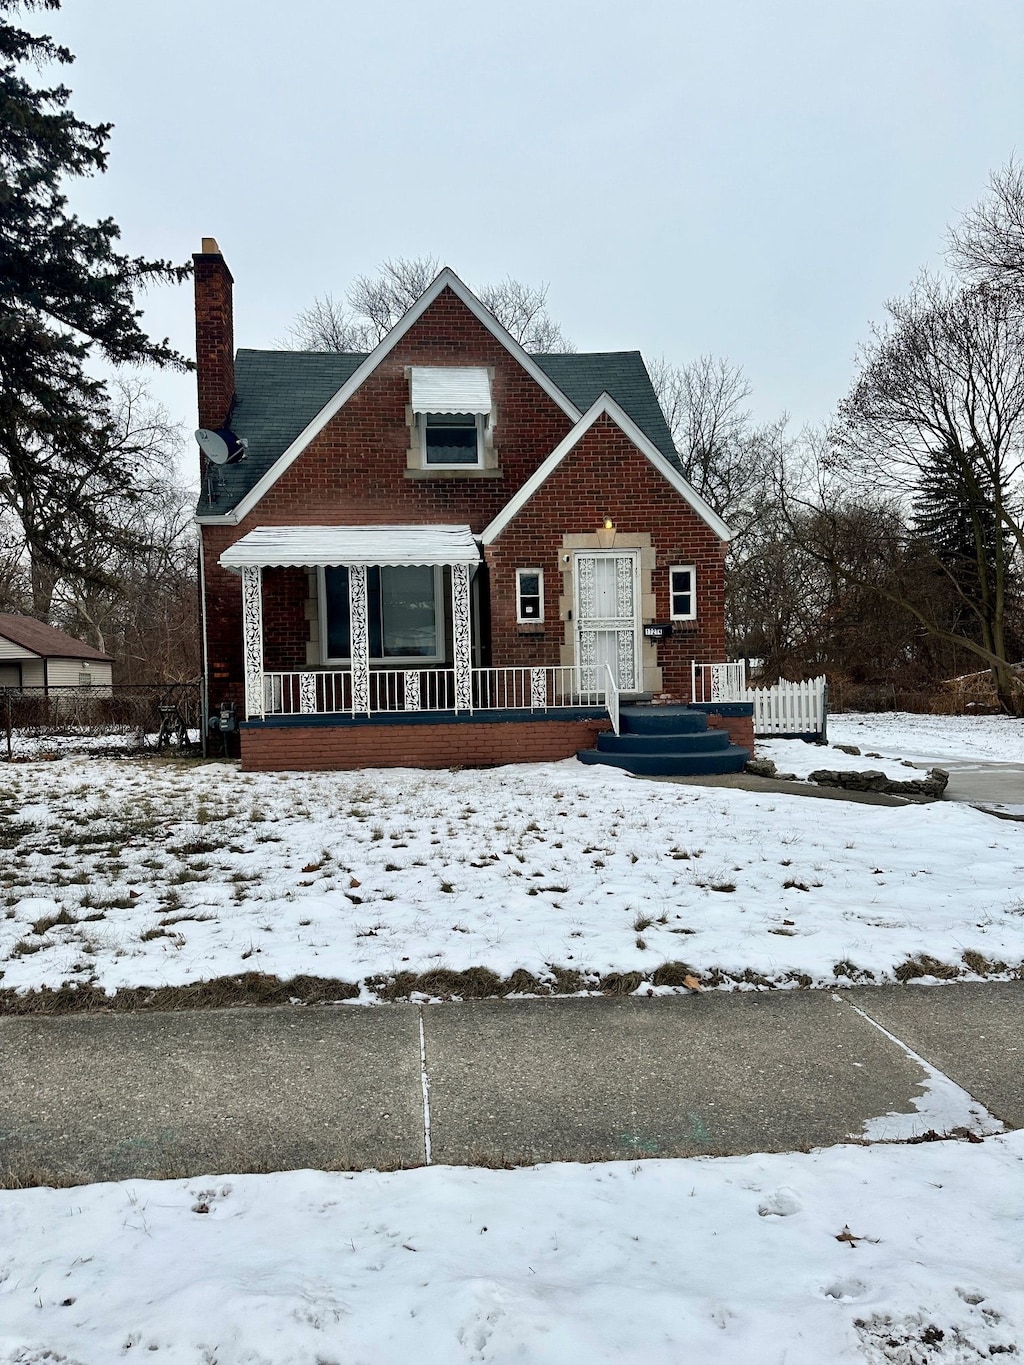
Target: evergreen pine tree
{"points": [[956, 516], [67, 297]]}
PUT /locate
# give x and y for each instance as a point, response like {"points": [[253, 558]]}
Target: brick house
{"points": [[448, 551]]}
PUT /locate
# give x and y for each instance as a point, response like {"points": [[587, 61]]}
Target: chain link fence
{"points": [[38, 722]]}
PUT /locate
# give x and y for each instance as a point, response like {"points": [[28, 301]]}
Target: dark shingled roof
{"points": [[623, 374], [277, 393], [43, 640]]}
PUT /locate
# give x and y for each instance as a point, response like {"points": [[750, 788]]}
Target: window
{"points": [[529, 594], [682, 593], [453, 408], [403, 616], [85, 680], [451, 439]]}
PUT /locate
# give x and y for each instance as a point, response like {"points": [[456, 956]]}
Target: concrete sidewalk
{"points": [[111, 1096]]}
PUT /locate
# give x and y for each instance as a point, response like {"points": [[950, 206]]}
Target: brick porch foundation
{"points": [[465, 744]]}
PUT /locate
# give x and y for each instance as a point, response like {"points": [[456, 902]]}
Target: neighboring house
{"points": [[444, 552], [33, 654]]}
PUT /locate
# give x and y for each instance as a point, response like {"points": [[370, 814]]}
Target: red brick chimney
{"points": [[215, 335]]}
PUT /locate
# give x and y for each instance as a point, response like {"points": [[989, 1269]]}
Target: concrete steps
{"points": [[666, 741]]}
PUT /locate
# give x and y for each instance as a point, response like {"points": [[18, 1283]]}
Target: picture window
{"points": [[404, 613]]}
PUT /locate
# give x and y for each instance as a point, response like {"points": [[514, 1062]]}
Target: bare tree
{"points": [[382, 299], [522, 311], [728, 459], [327, 325], [840, 582], [375, 303], [944, 380], [68, 515], [145, 611], [988, 243]]}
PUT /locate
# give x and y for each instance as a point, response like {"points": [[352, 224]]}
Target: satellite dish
{"points": [[221, 447], [213, 445]]}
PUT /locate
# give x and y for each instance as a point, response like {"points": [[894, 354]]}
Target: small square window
{"points": [[85, 680], [682, 593], [529, 595], [451, 438]]}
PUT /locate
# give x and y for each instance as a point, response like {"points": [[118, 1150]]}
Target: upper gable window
{"points": [[452, 408], [451, 439]]}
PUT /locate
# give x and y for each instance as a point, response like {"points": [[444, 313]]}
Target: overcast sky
{"points": [[739, 177]]}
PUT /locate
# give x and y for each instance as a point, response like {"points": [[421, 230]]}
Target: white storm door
{"points": [[608, 618]]}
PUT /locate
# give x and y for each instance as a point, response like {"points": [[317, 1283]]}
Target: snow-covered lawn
{"points": [[895, 743], [145, 873], [928, 739], [880, 1254]]}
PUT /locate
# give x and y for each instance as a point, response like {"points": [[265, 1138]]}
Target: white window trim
{"points": [[691, 615], [392, 660], [520, 618], [421, 428]]}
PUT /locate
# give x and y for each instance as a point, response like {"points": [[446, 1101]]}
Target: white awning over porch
{"points": [[269, 547]]}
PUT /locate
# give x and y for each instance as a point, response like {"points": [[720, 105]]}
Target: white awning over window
{"points": [[275, 547], [441, 389]]}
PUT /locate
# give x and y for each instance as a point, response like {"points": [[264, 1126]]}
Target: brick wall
{"points": [[740, 728], [285, 628], [480, 744], [215, 338], [605, 475], [354, 473]]}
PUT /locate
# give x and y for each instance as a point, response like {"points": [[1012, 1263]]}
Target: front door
{"points": [[608, 618]]}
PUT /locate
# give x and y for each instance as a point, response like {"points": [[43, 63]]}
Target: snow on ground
{"points": [[897, 743], [58, 745], [143, 872], [798, 758], [930, 739], [877, 1254]]}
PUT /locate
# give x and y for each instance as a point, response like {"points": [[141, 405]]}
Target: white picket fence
{"points": [[790, 708]]}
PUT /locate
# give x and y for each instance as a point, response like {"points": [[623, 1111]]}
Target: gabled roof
{"points": [[283, 398], [605, 405], [623, 375], [278, 394], [43, 640], [364, 367]]}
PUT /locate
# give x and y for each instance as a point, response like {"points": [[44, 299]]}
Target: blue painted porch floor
{"points": [[666, 741]]}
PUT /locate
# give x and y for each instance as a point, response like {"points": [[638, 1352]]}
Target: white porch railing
{"points": [[718, 682], [314, 692]]}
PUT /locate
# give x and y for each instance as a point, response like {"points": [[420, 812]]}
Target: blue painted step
{"points": [[657, 720], [666, 741], [706, 742], [730, 760]]}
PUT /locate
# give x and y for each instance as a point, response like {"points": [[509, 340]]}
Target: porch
{"points": [[396, 642], [382, 627]]}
